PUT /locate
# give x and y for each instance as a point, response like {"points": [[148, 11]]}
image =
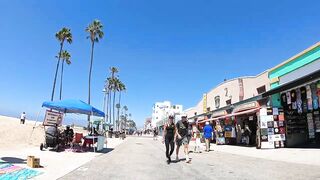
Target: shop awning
{"points": [[233, 114], [300, 81], [73, 106], [246, 112]]}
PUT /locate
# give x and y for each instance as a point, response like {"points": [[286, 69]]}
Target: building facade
{"points": [[229, 92], [295, 89], [162, 110]]}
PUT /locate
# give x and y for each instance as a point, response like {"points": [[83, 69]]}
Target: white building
{"points": [[162, 110], [147, 124]]}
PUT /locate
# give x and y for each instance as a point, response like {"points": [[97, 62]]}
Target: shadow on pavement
{"points": [[13, 160], [104, 151]]}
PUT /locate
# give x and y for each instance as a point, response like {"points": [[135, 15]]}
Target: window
{"points": [[208, 109], [217, 101], [228, 102], [261, 89]]}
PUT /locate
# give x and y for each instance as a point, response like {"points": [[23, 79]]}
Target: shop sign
{"points": [[204, 103], [53, 118], [218, 113], [246, 106]]}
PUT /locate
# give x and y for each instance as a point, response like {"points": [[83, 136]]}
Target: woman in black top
{"points": [[169, 134]]}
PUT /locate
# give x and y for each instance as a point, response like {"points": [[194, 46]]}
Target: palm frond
{"points": [[95, 31]]}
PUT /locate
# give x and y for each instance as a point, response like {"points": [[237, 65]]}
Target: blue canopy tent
{"points": [[73, 106]]}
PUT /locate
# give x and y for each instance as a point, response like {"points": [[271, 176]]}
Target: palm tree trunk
{"points": [[61, 79], [90, 70], [107, 107], [118, 113], [114, 98], [110, 107], [56, 74]]}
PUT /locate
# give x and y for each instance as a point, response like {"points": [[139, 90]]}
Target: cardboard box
{"points": [[33, 162]]}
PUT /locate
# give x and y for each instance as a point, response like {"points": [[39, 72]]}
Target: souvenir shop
{"points": [[246, 127], [299, 110], [272, 128]]}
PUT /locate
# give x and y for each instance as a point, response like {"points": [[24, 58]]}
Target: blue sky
{"points": [[165, 50]]}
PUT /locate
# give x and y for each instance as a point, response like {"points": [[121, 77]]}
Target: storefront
{"points": [[245, 116], [295, 91], [300, 101]]}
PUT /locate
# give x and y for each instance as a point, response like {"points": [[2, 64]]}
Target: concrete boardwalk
{"points": [[142, 158]]}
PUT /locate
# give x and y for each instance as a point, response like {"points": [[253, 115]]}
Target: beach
{"points": [[18, 141]]}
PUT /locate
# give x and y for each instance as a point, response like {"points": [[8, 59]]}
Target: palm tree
{"points": [[107, 89], [115, 88], [109, 98], [125, 108], [65, 56], [95, 33], [63, 35], [121, 87], [114, 83]]}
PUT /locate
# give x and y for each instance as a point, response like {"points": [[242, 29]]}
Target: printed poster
{"points": [[275, 111]]}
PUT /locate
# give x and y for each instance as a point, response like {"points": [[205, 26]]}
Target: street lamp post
{"points": [[104, 103]]}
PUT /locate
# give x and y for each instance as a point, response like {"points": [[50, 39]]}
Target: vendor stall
{"points": [[78, 107]]}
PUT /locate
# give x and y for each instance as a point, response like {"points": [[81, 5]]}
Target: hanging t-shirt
{"points": [[309, 94], [293, 99], [318, 92], [283, 99], [288, 98], [293, 95], [314, 96], [299, 101], [303, 93]]}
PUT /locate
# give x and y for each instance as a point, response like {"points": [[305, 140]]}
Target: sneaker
{"points": [[168, 161], [188, 161], [177, 158]]}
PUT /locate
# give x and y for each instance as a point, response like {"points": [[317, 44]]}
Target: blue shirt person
{"points": [[207, 131]]}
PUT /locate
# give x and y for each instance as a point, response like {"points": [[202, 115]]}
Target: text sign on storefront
{"points": [[218, 113], [53, 118], [204, 103], [246, 106]]}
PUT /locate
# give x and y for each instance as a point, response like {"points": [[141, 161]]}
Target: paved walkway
{"points": [[142, 158], [55, 165], [307, 156]]}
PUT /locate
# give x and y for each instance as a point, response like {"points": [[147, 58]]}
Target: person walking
{"points": [[155, 134], [23, 118], [168, 138], [207, 133], [182, 138], [197, 147], [247, 134]]}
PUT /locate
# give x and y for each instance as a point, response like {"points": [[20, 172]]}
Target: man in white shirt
{"points": [[23, 118]]}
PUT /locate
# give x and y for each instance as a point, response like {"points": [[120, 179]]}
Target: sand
{"points": [[17, 141]]}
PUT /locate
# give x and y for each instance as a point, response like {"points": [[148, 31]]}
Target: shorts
{"points": [[198, 142], [183, 141]]}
